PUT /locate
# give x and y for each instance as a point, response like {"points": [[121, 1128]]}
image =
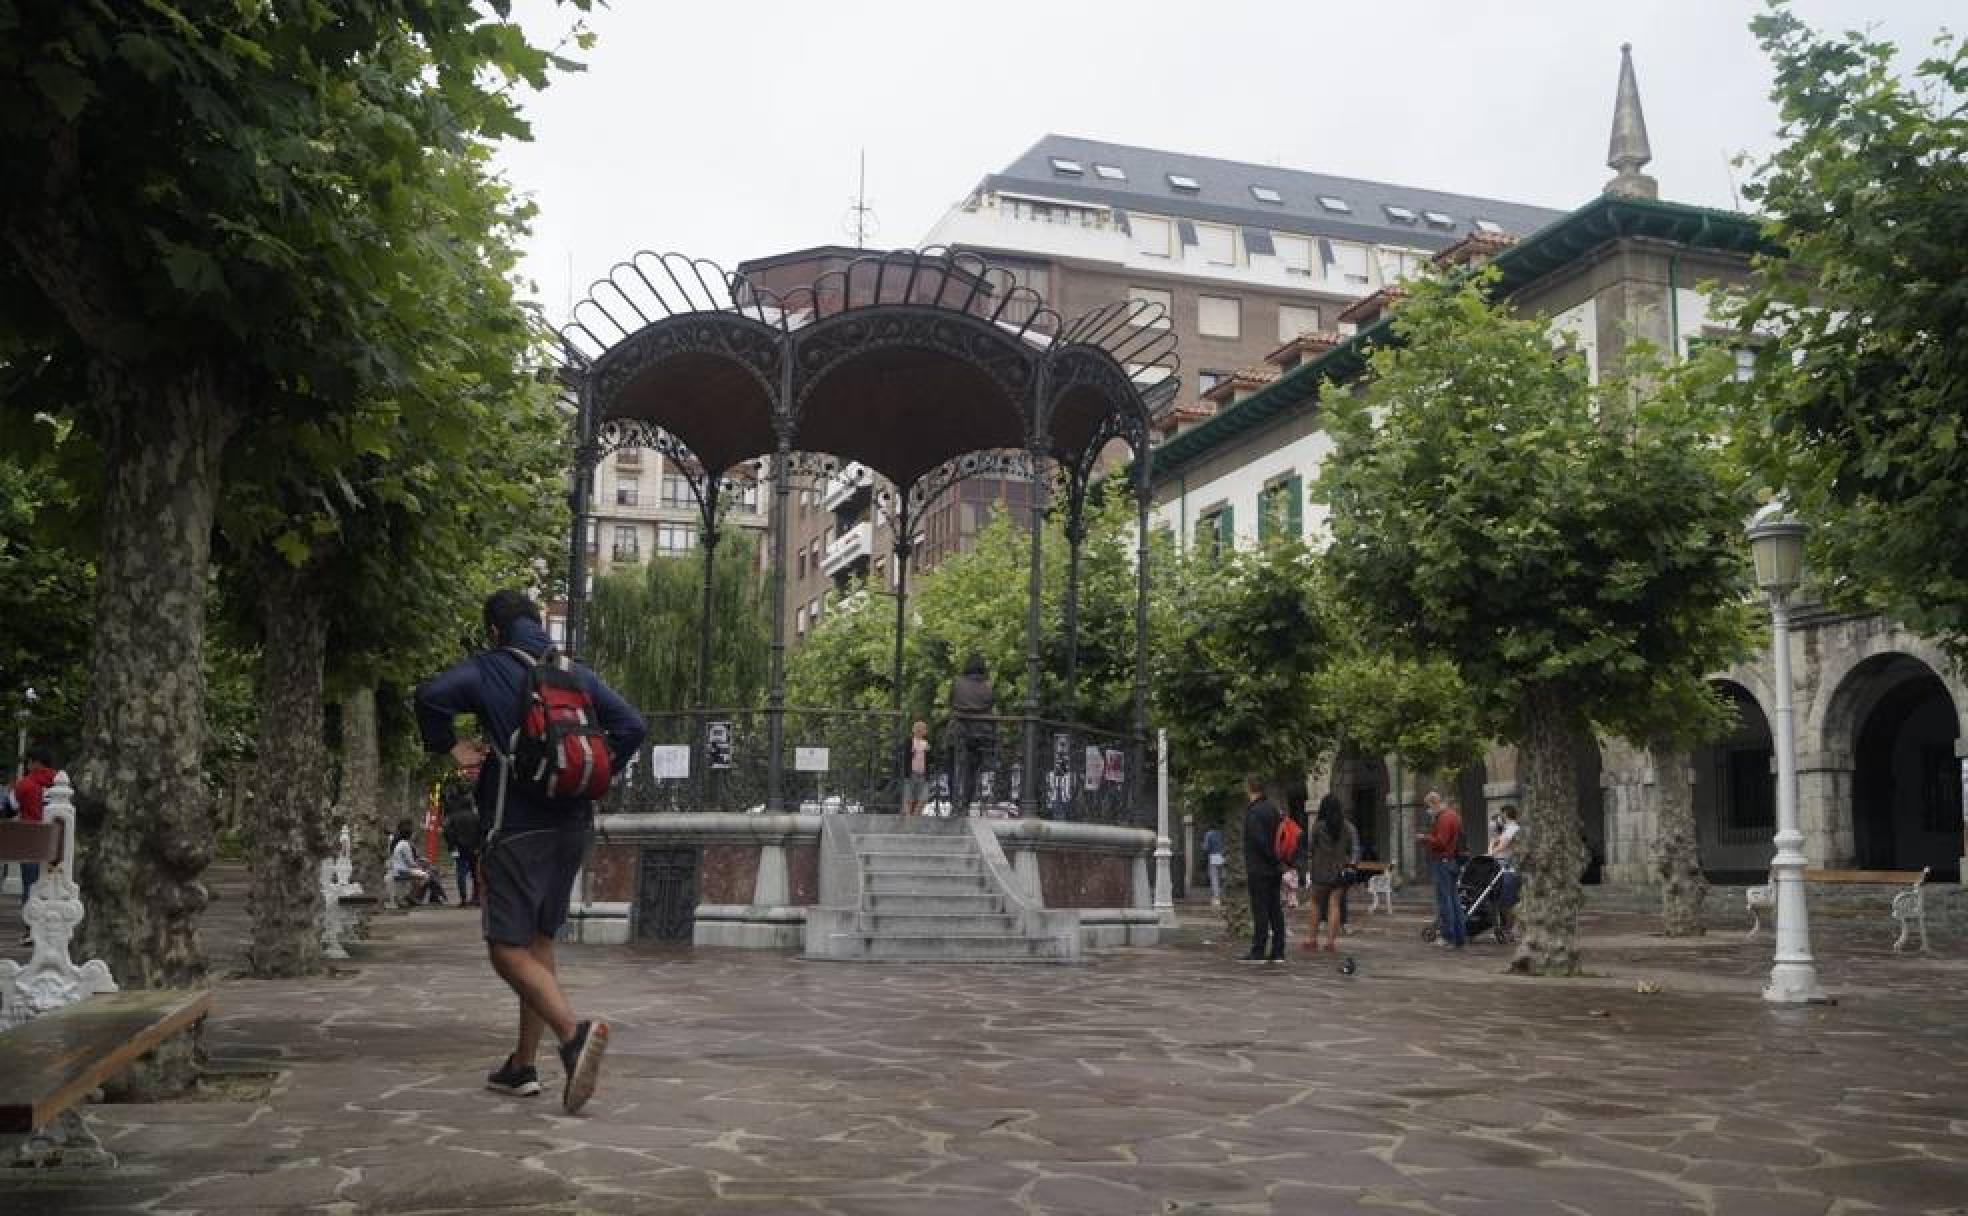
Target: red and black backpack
{"points": [[559, 750]]}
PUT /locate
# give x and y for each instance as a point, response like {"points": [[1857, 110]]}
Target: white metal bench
{"points": [[1755, 899], [1910, 909]]}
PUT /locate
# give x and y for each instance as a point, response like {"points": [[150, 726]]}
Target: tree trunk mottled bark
{"points": [[362, 803], [1677, 856], [1554, 860], [289, 828], [147, 812], [1236, 881]]}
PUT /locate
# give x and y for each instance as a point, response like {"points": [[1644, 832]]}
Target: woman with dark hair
{"points": [[1331, 844]]}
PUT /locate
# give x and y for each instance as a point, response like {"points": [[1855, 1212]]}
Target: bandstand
{"points": [[921, 367]]}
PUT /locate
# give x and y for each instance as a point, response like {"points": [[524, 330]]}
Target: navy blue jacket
{"points": [[489, 685]]}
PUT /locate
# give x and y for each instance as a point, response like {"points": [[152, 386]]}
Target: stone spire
{"points": [[1629, 152]]}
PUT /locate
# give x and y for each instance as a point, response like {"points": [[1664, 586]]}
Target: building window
{"points": [[1331, 203], [676, 491], [1184, 183], [627, 489], [628, 543], [1152, 236], [1294, 253], [1296, 319], [1399, 214], [1061, 164], [1142, 296], [1218, 243], [594, 538], [1489, 226], [672, 539], [1281, 508], [802, 563], [1350, 262], [628, 458], [1216, 531], [799, 621], [1218, 317], [1265, 194], [1205, 381], [1112, 173], [1439, 219], [1399, 264]]}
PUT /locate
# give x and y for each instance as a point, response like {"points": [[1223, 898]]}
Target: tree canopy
{"points": [[1572, 548], [1859, 407]]}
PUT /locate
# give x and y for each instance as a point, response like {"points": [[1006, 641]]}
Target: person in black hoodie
{"points": [[971, 703], [1264, 872], [535, 847]]}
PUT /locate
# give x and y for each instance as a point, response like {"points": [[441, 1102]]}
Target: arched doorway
{"points": [[1591, 806], [1736, 794], [1906, 787], [1362, 785]]}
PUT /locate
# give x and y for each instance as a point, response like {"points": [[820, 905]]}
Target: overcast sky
{"points": [[732, 130]]}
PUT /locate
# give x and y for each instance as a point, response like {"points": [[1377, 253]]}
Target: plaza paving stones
{"points": [[1169, 1080]]}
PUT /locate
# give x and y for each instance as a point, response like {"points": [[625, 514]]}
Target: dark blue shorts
{"points": [[527, 879]]}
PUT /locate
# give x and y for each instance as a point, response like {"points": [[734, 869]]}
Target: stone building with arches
{"points": [[1881, 715]]}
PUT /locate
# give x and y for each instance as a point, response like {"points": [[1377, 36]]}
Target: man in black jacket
{"points": [[1264, 872]]}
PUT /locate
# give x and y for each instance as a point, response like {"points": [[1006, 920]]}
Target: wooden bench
{"points": [[1909, 907], [51, 1063]]}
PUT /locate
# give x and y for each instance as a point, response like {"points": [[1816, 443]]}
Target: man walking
{"points": [[1264, 872], [1443, 841], [535, 845]]}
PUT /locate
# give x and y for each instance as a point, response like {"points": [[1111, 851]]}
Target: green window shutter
{"points": [[1226, 535], [1267, 513], [1295, 507]]}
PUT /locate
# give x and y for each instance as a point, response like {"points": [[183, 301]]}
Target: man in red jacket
{"points": [[30, 797], [1443, 841]]}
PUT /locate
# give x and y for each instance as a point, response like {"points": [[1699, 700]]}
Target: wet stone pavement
{"points": [[1167, 1080]]}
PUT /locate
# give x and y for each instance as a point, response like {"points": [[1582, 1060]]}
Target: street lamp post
{"points": [[1776, 542]]}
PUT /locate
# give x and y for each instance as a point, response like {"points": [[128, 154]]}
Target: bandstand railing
{"points": [[850, 761]]}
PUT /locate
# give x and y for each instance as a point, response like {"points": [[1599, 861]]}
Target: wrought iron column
{"points": [[1143, 493], [709, 497], [577, 505], [1075, 537], [902, 550], [1028, 792], [775, 697]]}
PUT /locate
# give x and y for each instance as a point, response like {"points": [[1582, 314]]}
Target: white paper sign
{"points": [[809, 759], [1096, 765], [669, 762]]}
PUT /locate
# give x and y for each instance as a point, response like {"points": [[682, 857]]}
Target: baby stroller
{"points": [[1485, 888]]}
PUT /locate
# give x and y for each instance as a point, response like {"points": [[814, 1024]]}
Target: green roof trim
{"points": [[1557, 245]]}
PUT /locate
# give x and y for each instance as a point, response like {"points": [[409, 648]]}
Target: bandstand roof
{"points": [[902, 361]]}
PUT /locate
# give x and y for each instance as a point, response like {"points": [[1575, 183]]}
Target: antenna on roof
{"points": [[861, 221]]}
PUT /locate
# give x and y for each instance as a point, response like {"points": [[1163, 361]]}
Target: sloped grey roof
{"points": [[1225, 196]]}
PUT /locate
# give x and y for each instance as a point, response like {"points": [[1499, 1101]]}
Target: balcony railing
{"points": [[844, 485], [855, 544], [627, 554]]}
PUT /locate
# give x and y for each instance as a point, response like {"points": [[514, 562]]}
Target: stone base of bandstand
{"points": [[752, 878]]}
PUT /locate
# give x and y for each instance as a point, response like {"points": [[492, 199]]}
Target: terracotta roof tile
{"points": [[1365, 311], [1475, 248]]}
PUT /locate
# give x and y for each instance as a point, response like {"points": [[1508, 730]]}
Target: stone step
{"points": [[938, 924], [927, 883], [921, 863], [938, 903], [924, 842], [969, 947]]}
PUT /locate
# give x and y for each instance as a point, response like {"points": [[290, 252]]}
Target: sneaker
{"points": [[1251, 958], [581, 1056], [513, 1079]]}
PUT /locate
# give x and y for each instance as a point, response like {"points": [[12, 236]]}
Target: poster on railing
{"points": [[717, 745], [1116, 766], [810, 759], [669, 762], [1096, 765]]}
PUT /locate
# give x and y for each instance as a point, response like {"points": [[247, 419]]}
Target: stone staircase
{"points": [[927, 890]]}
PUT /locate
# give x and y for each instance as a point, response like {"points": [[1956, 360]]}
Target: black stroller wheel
{"points": [[1430, 932]]}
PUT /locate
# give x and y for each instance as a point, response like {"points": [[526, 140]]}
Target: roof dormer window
{"points": [[1265, 194], [1489, 226], [1182, 181], [1331, 203], [1439, 219], [1063, 164], [1112, 173], [1399, 214]]}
